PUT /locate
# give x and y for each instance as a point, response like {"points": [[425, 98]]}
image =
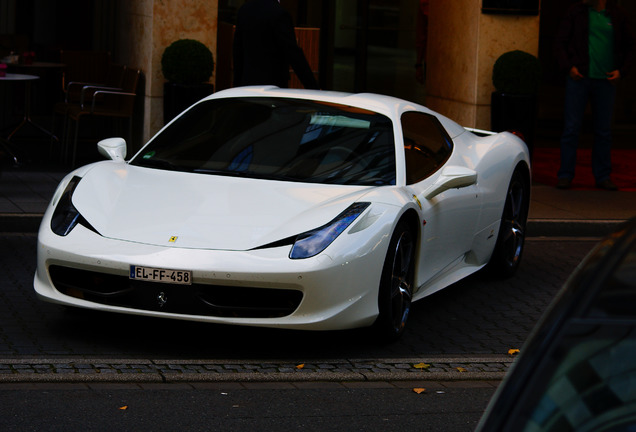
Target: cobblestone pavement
{"points": [[461, 333]]}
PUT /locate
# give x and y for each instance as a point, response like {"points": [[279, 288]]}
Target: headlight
{"points": [[315, 241], [66, 216]]}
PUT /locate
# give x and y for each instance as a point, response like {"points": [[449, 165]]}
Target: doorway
{"points": [[375, 47], [365, 45]]}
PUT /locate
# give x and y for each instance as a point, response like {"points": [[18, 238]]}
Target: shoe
{"points": [[606, 184], [564, 183]]}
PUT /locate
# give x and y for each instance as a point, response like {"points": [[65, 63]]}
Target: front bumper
{"points": [[257, 288]]}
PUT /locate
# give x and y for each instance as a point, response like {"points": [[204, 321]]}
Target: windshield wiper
{"points": [[159, 163], [220, 172], [246, 174]]}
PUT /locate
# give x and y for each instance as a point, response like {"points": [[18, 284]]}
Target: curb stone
{"points": [[172, 371], [572, 228]]}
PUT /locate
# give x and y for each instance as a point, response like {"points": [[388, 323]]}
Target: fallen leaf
{"points": [[422, 366], [419, 390], [300, 366], [125, 407], [513, 351], [461, 369]]}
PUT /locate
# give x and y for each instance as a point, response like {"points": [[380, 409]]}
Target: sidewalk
{"points": [[26, 192]]}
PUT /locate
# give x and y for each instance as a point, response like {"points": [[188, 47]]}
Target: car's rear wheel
{"points": [[396, 284], [506, 257]]}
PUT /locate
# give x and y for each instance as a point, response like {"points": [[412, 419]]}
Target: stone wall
{"points": [[463, 45], [147, 27]]}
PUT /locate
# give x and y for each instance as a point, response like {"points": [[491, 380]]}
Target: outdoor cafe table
{"points": [[13, 78]]}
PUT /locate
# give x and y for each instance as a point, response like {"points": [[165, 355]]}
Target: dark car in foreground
{"points": [[577, 371]]}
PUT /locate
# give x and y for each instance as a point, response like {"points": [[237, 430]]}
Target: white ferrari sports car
{"points": [[285, 208]]}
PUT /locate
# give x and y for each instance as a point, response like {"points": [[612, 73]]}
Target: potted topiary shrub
{"points": [[516, 76], [187, 65]]}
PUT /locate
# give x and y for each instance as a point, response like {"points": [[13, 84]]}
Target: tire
{"points": [[396, 285], [506, 256]]}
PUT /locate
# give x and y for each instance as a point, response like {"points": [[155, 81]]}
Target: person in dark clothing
{"points": [[265, 47], [595, 48]]}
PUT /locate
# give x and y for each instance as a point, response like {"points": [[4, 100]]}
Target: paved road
{"points": [[476, 317], [270, 407]]}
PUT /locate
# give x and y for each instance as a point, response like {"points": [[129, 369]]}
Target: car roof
{"points": [[390, 106]]}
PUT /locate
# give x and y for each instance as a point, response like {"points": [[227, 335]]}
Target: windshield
{"points": [[277, 138]]}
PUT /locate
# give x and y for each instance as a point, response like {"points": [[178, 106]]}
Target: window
{"points": [[279, 139], [592, 388], [426, 145]]}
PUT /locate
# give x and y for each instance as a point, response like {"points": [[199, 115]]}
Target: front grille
{"points": [[195, 299]]}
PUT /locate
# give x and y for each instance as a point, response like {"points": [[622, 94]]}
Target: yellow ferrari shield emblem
{"points": [[173, 239], [418, 202]]}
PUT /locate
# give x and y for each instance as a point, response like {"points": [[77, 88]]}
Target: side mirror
{"points": [[452, 177], [113, 149]]}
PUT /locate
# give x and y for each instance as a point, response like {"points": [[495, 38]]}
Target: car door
{"points": [[446, 191]]}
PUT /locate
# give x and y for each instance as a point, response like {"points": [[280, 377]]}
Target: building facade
{"points": [[364, 45]]}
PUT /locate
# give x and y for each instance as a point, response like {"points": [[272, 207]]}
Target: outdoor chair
{"points": [[78, 92], [101, 102]]}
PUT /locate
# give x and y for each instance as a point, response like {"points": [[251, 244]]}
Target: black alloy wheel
{"points": [[396, 285], [506, 257]]}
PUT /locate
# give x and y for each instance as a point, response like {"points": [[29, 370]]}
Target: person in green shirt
{"points": [[595, 48]]}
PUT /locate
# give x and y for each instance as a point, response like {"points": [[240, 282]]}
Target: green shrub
{"points": [[187, 61], [517, 72]]}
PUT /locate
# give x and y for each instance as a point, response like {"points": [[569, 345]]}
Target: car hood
{"points": [[203, 211]]}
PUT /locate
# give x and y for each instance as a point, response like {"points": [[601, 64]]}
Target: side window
{"points": [[426, 145]]}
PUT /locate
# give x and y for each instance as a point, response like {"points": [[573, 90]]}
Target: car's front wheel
{"points": [[396, 284], [506, 257]]}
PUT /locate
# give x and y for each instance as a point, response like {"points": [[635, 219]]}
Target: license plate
{"points": [[151, 274]]}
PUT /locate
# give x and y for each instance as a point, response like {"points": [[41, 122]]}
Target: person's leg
{"points": [[576, 96], [602, 96]]}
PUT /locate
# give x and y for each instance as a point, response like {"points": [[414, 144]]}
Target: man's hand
{"points": [[575, 74], [613, 76]]}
